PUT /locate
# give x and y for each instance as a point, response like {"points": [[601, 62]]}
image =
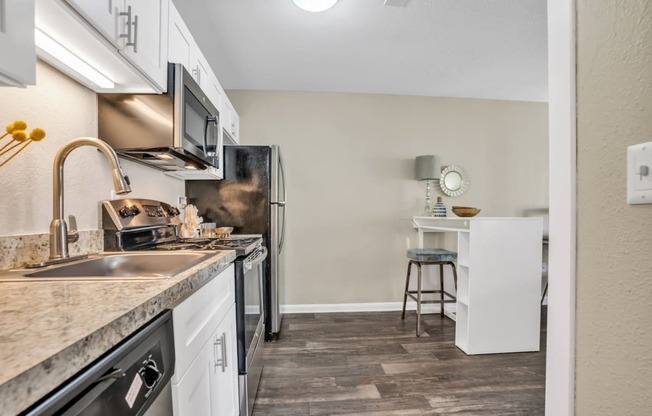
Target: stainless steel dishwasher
{"points": [[131, 379]]}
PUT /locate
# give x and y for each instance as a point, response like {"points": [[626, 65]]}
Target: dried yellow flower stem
{"points": [[25, 144], [12, 147]]}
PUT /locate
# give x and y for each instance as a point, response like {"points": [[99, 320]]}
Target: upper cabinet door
{"points": [[104, 15], [200, 69], [145, 43], [18, 63], [231, 119], [180, 41], [137, 28]]}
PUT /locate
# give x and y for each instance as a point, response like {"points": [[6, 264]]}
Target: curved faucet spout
{"points": [[58, 229]]}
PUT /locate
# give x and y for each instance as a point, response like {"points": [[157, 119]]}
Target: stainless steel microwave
{"points": [[178, 132]]}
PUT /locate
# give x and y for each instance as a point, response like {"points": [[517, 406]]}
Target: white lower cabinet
{"points": [[193, 394], [224, 386], [205, 381], [210, 386]]}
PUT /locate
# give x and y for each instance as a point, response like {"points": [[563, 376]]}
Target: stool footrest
{"points": [[451, 300], [429, 257]]}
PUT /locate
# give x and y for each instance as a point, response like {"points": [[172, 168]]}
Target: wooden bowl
{"points": [[465, 211]]}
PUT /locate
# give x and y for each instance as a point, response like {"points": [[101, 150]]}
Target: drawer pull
{"points": [[221, 343]]}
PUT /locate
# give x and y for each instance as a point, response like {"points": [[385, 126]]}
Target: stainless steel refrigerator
{"points": [[251, 198]]}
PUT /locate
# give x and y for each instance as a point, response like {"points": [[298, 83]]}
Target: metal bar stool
{"points": [[429, 256]]}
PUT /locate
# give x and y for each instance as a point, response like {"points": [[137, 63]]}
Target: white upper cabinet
{"points": [[18, 63], [145, 43], [135, 29], [183, 49], [231, 120], [200, 70], [215, 93], [104, 15], [180, 41]]}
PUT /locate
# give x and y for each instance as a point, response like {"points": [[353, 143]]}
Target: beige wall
{"points": [[350, 164], [65, 110], [614, 262]]}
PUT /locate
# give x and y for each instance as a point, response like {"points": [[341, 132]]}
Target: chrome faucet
{"points": [[59, 234]]}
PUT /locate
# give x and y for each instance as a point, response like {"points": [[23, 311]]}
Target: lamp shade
{"points": [[427, 167]]}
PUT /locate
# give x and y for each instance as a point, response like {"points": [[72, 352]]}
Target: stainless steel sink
{"points": [[131, 266]]}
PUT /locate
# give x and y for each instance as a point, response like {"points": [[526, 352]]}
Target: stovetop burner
{"points": [[178, 246], [242, 244]]}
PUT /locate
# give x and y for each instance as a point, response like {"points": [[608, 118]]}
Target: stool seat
{"points": [[431, 255]]}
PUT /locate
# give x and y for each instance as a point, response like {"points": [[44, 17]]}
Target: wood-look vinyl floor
{"points": [[372, 364]]}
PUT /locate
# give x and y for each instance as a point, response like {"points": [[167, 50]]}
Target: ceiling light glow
{"points": [[315, 5]]}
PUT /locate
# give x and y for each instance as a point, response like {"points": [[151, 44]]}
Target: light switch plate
{"points": [[639, 173]]}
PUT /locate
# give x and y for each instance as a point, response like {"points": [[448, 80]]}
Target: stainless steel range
{"points": [[144, 224]]}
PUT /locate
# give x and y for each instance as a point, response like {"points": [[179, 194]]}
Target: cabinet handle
{"points": [[220, 342], [196, 73], [224, 359], [132, 25], [129, 26], [135, 44]]}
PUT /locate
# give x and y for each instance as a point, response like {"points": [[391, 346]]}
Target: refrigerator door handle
{"points": [[282, 203], [279, 203], [280, 244]]}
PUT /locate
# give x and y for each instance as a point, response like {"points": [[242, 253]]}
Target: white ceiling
{"points": [[494, 49]]}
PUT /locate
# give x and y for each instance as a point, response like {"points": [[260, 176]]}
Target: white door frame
{"points": [[560, 351]]}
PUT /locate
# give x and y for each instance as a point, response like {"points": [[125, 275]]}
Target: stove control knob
{"points": [[125, 212], [129, 211]]}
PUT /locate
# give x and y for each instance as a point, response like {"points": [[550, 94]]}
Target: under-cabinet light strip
{"points": [[72, 61]]}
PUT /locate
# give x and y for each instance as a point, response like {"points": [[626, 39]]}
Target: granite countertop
{"points": [[51, 330]]}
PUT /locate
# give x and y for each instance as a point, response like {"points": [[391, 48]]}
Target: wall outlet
{"points": [[639, 174]]}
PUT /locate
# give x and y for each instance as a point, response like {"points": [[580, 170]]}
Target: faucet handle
{"points": [[73, 234]]}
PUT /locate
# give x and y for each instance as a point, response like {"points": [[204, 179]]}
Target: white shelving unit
{"points": [[498, 281]]}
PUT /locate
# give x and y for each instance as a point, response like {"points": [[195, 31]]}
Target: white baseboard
{"points": [[357, 307]]}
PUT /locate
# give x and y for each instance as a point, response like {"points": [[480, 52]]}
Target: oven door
{"points": [[249, 305]]}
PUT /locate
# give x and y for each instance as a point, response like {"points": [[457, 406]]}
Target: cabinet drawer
{"points": [[196, 318]]}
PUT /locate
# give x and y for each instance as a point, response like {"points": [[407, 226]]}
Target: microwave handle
{"points": [[209, 119]]}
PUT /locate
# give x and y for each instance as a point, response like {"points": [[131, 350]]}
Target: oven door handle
{"points": [[258, 257]]}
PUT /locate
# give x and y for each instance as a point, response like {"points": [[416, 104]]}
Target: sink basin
{"points": [[136, 265]]}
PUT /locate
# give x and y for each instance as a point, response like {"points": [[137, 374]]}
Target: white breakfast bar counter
{"points": [[51, 330], [498, 281]]}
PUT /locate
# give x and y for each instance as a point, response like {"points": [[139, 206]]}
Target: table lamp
{"points": [[427, 168]]}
